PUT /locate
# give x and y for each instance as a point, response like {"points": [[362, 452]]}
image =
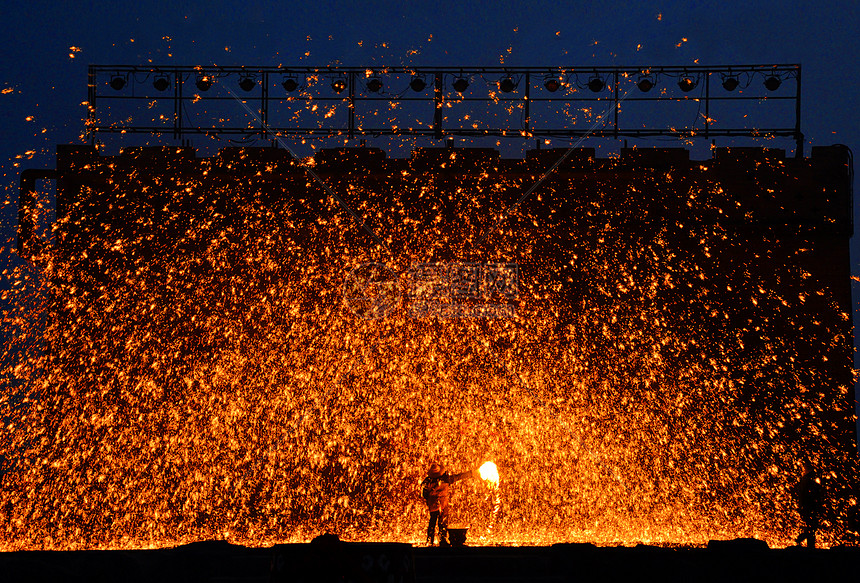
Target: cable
{"points": [[507, 212], [310, 171]]}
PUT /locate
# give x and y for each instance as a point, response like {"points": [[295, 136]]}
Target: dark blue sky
{"points": [[49, 85], [43, 79]]}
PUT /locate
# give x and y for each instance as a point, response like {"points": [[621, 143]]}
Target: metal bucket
{"points": [[457, 535]]}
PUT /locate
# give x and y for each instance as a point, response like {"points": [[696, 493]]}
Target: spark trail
{"points": [[187, 367], [490, 474]]}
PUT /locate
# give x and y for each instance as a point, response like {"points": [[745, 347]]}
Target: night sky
{"points": [[46, 47]]}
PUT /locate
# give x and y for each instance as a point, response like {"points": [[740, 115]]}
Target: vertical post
{"points": [[615, 93], [350, 82], [91, 103], [707, 103], [177, 104], [798, 136], [264, 105], [437, 103], [528, 103]]}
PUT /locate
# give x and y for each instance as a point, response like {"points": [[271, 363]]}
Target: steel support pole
{"points": [[177, 105], [616, 108], [350, 82], [437, 104], [91, 104], [707, 103], [528, 104], [798, 136], [264, 106]]}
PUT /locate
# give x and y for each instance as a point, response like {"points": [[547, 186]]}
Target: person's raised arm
{"points": [[457, 477]]}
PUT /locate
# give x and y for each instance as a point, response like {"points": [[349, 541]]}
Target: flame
{"points": [[490, 473]]}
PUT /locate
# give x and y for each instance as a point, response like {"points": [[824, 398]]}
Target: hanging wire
{"points": [[507, 211], [310, 171]]}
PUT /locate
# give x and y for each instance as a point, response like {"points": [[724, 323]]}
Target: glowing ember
{"points": [[490, 473]]}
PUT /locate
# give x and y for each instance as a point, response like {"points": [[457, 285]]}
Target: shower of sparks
{"points": [[185, 366]]}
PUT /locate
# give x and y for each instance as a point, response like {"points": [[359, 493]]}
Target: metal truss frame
{"points": [[591, 87]]}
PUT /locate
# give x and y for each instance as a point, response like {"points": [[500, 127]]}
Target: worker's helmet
{"points": [[435, 470]]}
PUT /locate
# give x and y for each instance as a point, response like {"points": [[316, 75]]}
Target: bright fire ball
{"points": [[489, 472]]}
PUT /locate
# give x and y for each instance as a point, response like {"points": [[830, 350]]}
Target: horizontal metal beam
{"points": [[566, 99], [424, 69], [762, 132]]}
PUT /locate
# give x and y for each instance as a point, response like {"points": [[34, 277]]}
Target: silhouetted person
{"points": [[809, 502], [434, 490]]}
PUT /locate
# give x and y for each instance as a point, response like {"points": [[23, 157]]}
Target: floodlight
{"points": [[289, 84], [417, 84], [687, 83], [552, 84], [596, 84], [730, 83], [460, 85], [161, 83], [338, 85], [247, 83], [117, 82], [772, 83], [374, 85], [204, 82], [507, 85], [645, 84]]}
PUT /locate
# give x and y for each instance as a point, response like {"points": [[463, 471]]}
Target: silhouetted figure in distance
{"points": [[434, 490], [809, 502]]}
